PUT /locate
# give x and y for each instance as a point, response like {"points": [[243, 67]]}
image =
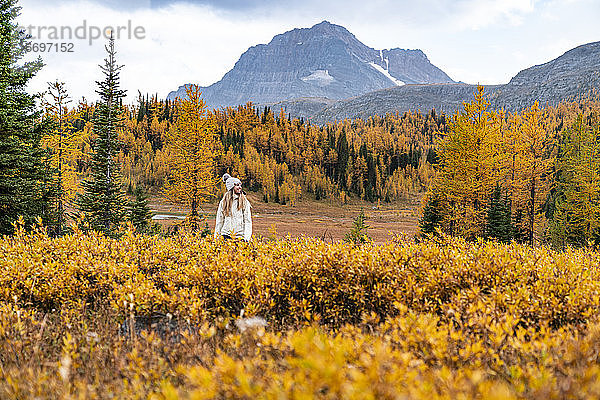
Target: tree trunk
{"points": [[531, 211]]}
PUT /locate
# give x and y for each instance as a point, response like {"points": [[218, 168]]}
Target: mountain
{"points": [[325, 61], [441, 97], [574, 74]]}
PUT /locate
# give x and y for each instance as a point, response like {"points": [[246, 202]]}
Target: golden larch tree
{"points": [[192, 149], [471, 159], [533, 153], [577, 215]]}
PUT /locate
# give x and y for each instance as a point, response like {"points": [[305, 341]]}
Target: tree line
{"points": [[381, 158], [531, 176]]}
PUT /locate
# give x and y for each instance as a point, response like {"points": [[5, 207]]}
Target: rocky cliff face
{"points": [[324, 61]]}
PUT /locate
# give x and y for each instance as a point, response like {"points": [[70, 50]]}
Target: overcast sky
{"points": [[474, 41]]}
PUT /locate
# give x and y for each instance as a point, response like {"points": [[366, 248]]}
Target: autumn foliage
{"points": [[287, 159], [442, 318], [542, 162], [191, 146], [541, 159]]}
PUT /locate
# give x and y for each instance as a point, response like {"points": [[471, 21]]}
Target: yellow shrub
{"points": [[440, 319]]}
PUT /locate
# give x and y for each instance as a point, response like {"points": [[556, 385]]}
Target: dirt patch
{"points": [[323, 219]]}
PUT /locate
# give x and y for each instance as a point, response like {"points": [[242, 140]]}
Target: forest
{"points": [[531, 176], [382, 158]]}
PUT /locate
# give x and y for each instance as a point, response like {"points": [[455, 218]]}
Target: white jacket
{"points": [[238, 224]]}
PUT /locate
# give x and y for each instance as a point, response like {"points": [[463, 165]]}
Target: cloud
{"points": [[486, 41], [233, 5], [461, 14], [183, 43], [478, 14]]}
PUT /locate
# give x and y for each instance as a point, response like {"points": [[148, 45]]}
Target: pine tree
{"points": [[342, 161], [25, 177], [498, 224], [103, 201], [64, 143], [140, 214], [519, 233], [358, 234], [433, 214]]}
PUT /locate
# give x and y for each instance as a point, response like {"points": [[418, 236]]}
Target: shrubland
{"points": [[439, 318]]}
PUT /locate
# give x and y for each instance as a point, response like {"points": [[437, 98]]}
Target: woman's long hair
{"points": [[228, 202]]}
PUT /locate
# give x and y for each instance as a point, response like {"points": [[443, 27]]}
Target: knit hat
{"points": [[230, 181]]}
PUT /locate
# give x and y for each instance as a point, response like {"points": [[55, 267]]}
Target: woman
{"points": [[233, 216]]}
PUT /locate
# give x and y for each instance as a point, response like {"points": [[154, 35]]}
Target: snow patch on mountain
{"points": [[319, 77], [379, 68]]}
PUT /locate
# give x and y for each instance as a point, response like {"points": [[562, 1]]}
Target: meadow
{"points": [[85, 316], [325, 219]]}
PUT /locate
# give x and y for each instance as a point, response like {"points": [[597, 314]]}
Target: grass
{"points": [[322, 219]]}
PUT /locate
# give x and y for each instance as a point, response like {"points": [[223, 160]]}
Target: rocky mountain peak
{"points": [[572, 76], [325, 61]]}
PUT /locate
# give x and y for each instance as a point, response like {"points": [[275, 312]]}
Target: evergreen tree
{"points": [[103, 201], [498, 224], [64, 143], [143, 107], [25, 176], [358, 233], [432, 214], [139, 212], [166, 113], [519, 234], [342, 161]]}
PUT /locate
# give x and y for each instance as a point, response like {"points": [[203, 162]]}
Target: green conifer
{"points": [[519, 233], [432, 214], [358, 233], [140, 214], [103, 202], [498, 218], [25, 178]]}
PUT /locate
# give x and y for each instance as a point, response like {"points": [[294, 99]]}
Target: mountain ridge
{"points": [[571, 76], [325, 60], [324, 73]]}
